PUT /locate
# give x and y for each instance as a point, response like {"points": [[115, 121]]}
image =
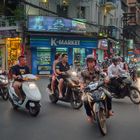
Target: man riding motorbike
{"points": [[114, 71], [17, 71], [61, 68], [91, 74]]}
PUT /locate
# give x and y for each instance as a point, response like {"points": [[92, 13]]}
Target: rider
{"points": [[17, 71], [114, 72], [57, 59], [61, 68], [122, 64], [90, 74]]}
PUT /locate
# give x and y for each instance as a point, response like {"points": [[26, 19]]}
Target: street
{"points": [[61, 122]]}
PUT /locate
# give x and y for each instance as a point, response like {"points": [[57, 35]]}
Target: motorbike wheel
{"points": [[5, 95], [101, 120], [34, 111], [76, 101], [15, 107], [135, 95], [77, 104], [53, 98]]}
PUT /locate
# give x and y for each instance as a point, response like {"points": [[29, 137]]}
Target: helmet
{"points": [[115, 59], [90, 58], [120, 59]]}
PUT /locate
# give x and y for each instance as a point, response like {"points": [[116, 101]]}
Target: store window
{"points": [[14, 50], [44, 60], [79, 57]]}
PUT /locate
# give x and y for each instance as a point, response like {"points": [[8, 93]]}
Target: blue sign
{"points": [[63, 42], [55, 24]]}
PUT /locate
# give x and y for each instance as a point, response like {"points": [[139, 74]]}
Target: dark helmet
{"points": [[90, 58], [115, 59]]}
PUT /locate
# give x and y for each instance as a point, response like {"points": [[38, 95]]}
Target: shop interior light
{"points": [[100, 34]]}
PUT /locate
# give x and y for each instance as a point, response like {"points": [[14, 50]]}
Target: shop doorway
{"points": [[79, 57], [43, 60]]}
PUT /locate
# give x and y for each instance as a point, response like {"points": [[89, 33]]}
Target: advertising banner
{"points": [[55, 24]]}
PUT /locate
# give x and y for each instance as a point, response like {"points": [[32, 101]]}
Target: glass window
{"points": [[79, 57], [43, 56], [61, 50]]}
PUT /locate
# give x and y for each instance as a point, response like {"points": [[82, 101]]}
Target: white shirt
{"points": [[114, 71]]}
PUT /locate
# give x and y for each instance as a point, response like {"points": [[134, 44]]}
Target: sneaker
{"points": [[60, 96]]}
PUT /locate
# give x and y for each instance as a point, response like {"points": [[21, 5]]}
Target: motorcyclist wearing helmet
{"points": [[114, 70], [91, 74]]}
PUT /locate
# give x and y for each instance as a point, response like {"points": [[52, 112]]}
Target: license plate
{"points": [[32, 104]]}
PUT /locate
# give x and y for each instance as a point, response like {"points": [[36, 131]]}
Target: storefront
{"points": [[44, 48], [13, 51], [2, 53]]}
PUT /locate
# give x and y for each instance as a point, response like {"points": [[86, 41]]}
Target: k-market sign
{"points": [[58, 42]]}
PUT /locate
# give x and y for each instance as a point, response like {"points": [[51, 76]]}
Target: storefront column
{"points": [[34, 60], [70, 56], [53, 52]]}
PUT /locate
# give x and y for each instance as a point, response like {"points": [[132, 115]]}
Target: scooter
{"points": [[30, 93], [71, 90], [125, 88], [4, 85], [96, 95]]}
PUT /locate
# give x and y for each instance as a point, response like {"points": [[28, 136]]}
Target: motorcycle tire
{"points": [[15, 107], [135, 95], [101, 120], [77, 104], [76, 101], [53, 98], [34, 111], [5, 95]]}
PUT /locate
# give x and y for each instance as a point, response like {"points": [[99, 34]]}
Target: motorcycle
{"points": [[133, 71], [30, 93], [4, 86], [125, 88], [96, 95], [71, 90]]}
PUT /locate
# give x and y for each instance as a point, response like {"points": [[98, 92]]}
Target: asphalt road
{"points": [[61, 122]]}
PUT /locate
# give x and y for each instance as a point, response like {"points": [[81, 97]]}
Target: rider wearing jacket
{"points": [[91, 74]]}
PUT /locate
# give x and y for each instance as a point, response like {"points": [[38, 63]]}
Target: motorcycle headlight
{"points": [[5, 81], [103, 96], [32, 86], [74, 73]]}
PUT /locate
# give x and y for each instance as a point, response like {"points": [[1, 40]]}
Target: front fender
{"points": [[97, 106]]}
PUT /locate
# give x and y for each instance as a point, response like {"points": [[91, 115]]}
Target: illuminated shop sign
{"points": [[103, 44], [57, 42], [55, 24]]}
